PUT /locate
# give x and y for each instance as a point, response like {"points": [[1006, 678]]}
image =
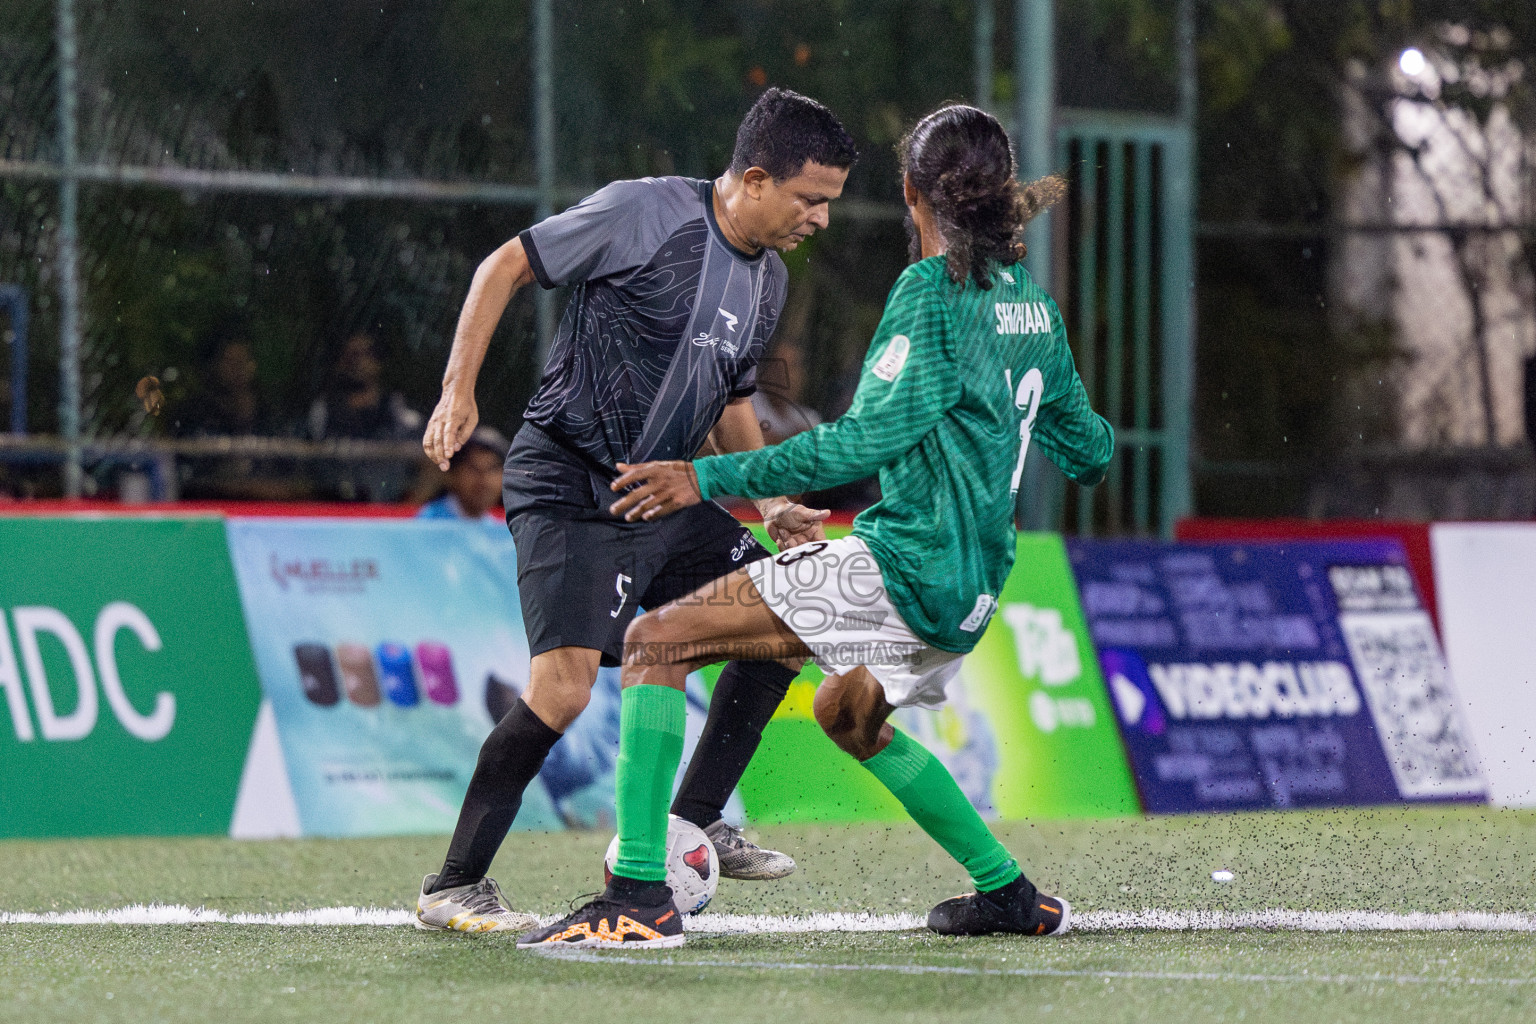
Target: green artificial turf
{"points": [[1429, 859]]}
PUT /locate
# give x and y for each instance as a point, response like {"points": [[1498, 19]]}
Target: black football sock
{"points": [[622, 890], [509, 759], [1020, 889], [745, 698]]}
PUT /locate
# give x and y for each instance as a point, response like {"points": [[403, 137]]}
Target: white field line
{"points": [[160, 913], [1301, 921], [769, 924], [645, 958], [763, 924]]}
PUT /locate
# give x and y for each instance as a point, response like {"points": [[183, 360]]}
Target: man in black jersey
{"points": [[675, 290]]}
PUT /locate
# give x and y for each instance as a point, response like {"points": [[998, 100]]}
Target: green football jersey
{"points": [[958, 382]]}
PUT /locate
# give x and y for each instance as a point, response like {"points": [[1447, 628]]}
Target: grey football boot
{"points": [[468, 908], [741, 858]]}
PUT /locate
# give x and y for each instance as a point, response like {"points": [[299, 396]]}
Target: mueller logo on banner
{"points": [[91, 668], [324, 575]]}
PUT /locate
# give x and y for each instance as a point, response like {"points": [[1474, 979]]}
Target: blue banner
{"points": [[1273, 676], [387, 650]]}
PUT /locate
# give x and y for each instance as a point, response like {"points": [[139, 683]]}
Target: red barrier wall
{"points": [[323, 509], [356, 510]]}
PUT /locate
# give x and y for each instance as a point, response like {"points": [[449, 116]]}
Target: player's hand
{"points": [[454, 419], [659, 489], [790, 524]]}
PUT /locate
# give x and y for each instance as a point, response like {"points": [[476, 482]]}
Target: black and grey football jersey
{"points": [[666, 320]]}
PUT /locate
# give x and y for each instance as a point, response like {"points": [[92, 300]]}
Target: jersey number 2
{"points": [[1026, 397]]}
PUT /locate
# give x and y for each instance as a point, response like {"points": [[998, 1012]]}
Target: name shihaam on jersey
{"points": [[1022, 318]]}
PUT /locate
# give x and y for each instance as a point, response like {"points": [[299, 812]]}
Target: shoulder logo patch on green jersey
{"points": [[894, 358], [1022, 318]]}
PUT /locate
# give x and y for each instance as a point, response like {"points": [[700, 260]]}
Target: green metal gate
{"points": [[1124, 274]]}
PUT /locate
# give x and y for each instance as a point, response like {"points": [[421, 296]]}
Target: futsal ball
{"points": [[693, 867]]}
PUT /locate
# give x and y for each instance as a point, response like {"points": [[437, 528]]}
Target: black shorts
{"points": [[582, 574]]}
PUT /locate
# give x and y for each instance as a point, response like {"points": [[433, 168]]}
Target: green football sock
{"points": [[929, 793], [651, 720]]}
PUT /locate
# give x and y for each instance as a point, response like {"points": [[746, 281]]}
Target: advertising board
{"points": [[387, 651], [129, 694], [381, 647], [271, 677], [1274, 675]]}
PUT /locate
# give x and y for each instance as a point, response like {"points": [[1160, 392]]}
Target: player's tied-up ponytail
{"points": [[959, 159]]}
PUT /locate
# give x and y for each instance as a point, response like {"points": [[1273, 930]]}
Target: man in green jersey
{"points": [[969, 365]]}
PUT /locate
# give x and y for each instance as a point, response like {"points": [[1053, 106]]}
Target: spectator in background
{"points": [[228, 404], [473, 480], [356, 404]]}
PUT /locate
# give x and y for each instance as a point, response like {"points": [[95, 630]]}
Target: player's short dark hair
{"points": [[785, 130], [959, 159]]}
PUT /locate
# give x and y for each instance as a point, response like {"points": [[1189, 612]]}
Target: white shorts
{"points": [[832, 596]]}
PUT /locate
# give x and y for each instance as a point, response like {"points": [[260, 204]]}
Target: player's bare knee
{"points": [[835, 712], [644, 641], [851, 709], [560, 686], [554, 668], [824, 705], [656, 639], [559, 703]]}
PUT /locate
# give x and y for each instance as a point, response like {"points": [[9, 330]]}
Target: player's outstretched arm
{"points": [[655, 489], [788, 523], [496, 280], [910, 381]]}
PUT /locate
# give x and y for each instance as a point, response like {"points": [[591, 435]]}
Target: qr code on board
{"points": [[1417, 714]]}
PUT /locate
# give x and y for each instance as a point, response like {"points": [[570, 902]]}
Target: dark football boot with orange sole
{"points": [[643, 920]]}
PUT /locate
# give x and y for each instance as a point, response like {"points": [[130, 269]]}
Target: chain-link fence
{"points": [[277, 208], [284, 179]]}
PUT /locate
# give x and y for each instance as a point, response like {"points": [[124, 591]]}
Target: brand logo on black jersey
{"points": [[730, 319], [725, 345], [1022, 318]]}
